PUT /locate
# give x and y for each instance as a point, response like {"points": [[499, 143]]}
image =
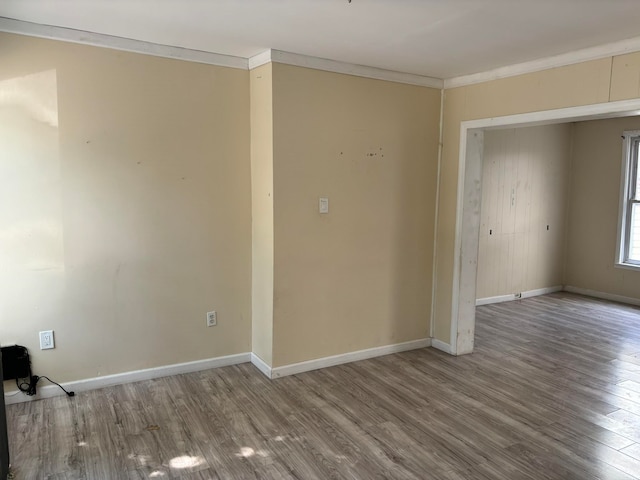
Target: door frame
{"points": [[469, 195]]}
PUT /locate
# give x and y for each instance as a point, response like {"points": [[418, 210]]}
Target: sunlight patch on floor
{"points": [[186, 461]]}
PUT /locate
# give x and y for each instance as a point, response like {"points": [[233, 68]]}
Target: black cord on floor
{"points": [[30, 388], [71, 394]]}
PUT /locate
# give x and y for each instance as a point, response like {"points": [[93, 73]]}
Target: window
{"points": [[629, 231]]}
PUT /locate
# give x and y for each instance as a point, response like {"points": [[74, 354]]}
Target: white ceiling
{"points": [[438, 38]]}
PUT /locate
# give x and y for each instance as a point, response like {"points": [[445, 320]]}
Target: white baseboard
{"points": [[261, 365], [605, 296], [514, 296], [440, 345], [325, 362], [47, 391], [496, 299]]}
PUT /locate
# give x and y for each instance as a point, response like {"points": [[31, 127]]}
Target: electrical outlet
{"points": [[212, 319], [46, 340]]}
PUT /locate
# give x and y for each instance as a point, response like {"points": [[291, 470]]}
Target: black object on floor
{"points": [[15, 362], [17, 365]]}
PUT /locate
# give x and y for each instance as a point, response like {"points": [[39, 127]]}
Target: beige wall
{"points": [[138, 177], [262, 211], [360, 276], [585, 83], [129, 183], [524, 189], [625, 77], [125, 207], [595, 197]]}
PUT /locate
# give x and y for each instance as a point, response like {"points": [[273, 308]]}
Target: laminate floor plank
{"points": [[552, 391], [632, 451]]}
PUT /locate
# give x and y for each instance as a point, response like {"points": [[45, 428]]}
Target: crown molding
{"points": [[259, 59], [11, 25], [584, 55], [179, 53], [316, 63], [119, 43]]}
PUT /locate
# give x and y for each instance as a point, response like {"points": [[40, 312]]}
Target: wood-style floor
{"points": [[551, 392]]}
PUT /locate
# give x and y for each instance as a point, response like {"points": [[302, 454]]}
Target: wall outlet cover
{"points": [[46, 340]]}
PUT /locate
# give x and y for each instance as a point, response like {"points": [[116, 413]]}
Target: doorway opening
{"points": [[469, 195]]}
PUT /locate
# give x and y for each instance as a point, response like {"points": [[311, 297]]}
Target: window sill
{"points": [[628, 266]]}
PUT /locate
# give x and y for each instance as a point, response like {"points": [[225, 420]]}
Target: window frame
{"points": [[629, 179]]}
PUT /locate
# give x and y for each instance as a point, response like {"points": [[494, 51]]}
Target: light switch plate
{"points": [[323, 205]]}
